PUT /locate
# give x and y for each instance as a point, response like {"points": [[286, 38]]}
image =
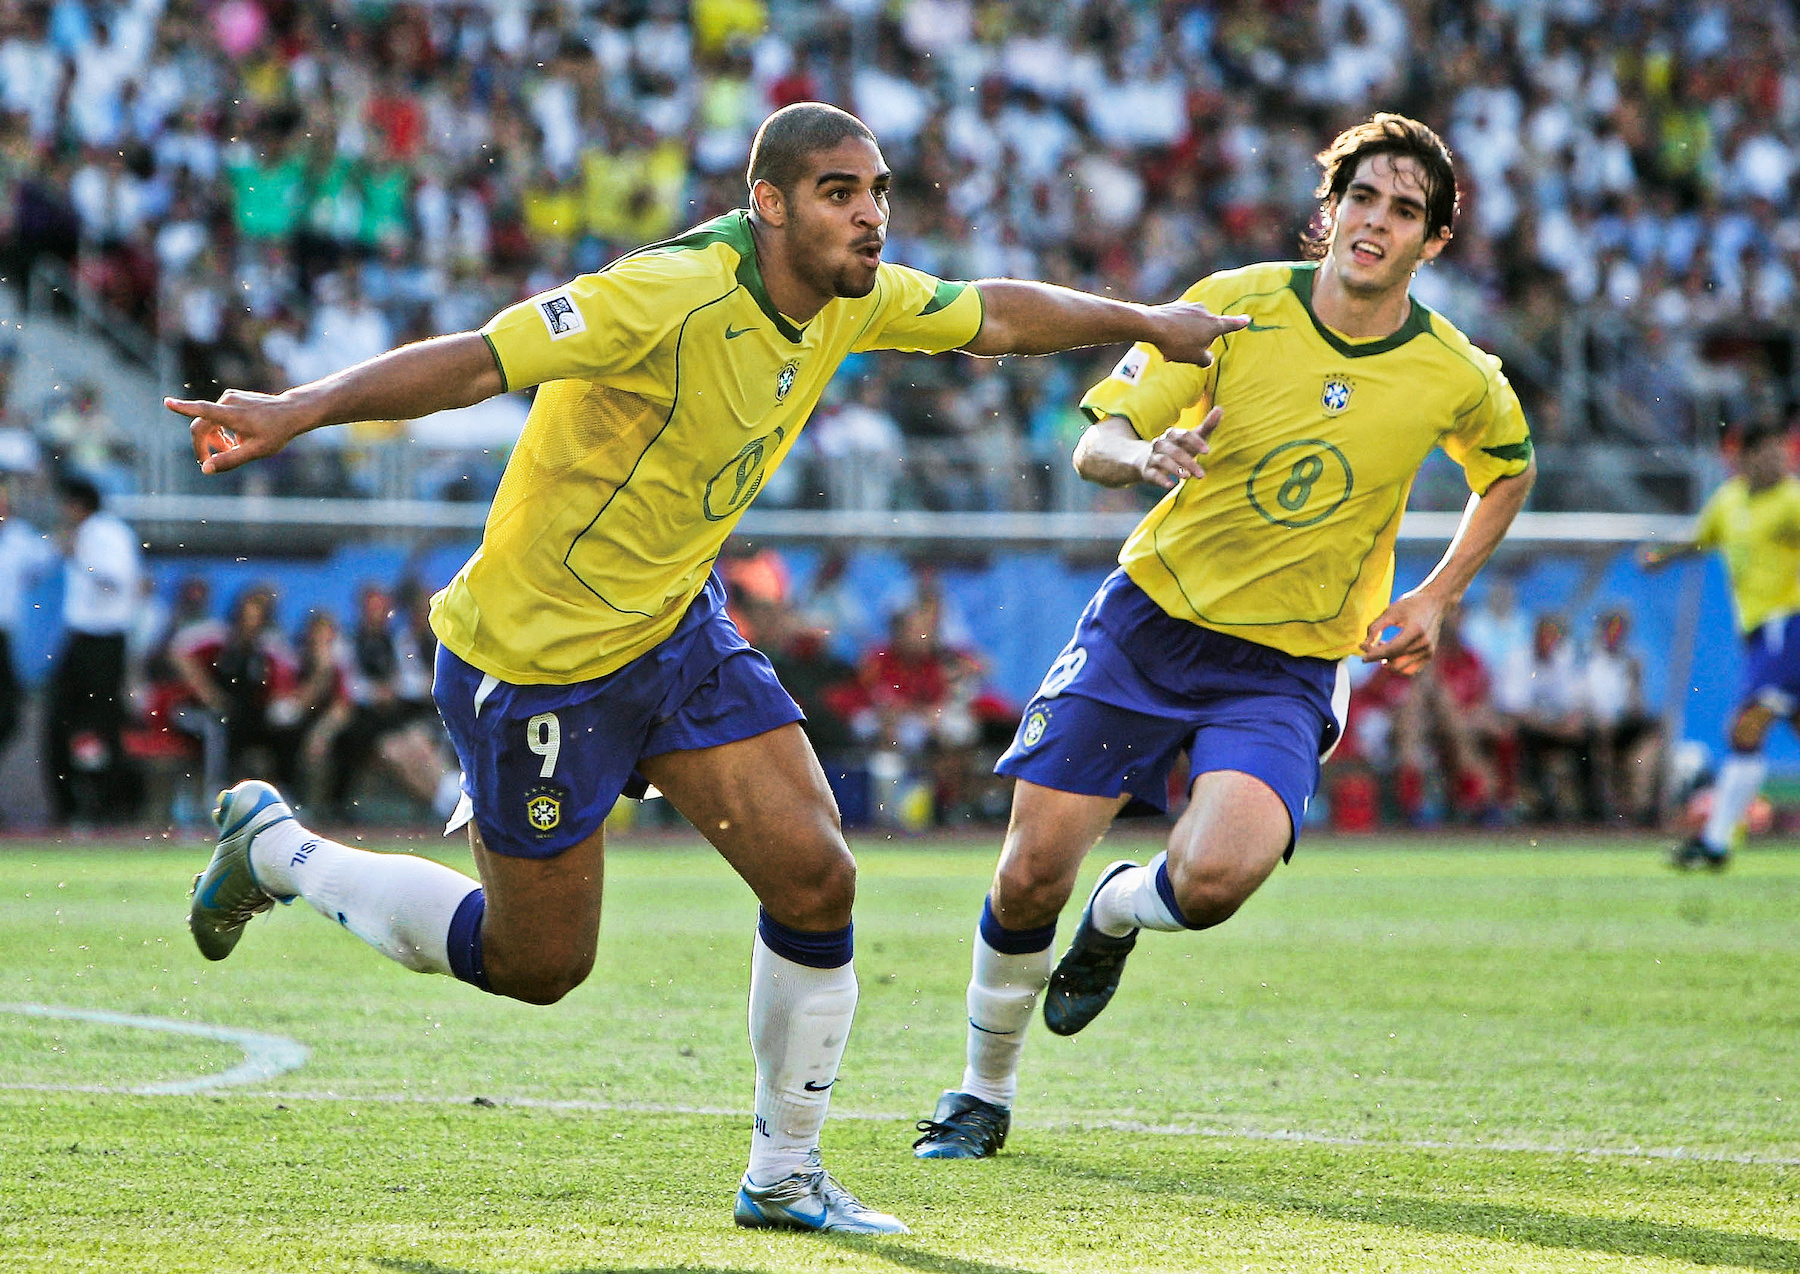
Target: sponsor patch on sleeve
{"points": [[1132, 366], [561, 315]]}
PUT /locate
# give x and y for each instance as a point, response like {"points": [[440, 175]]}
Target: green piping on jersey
{"points": [[733, 230], [1510, 451], [946, 294], [498, 365], [1417, 323]]}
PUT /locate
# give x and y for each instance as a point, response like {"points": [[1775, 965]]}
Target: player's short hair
{"points": [[1387, 134], [79, 490], [793, 135], [1761, 430]]}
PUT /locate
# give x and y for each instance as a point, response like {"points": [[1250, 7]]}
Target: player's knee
{"points": [[1028, 892], [819, 893], [1209, 897], [546, 979]]}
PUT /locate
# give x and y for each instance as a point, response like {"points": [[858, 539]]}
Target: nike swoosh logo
{"points": [[811, 1087], [1254, 326], [208, 898], [732, 333]]}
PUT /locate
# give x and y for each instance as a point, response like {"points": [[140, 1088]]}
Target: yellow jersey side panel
{"points": [[1758, 535], [1288, 541]]}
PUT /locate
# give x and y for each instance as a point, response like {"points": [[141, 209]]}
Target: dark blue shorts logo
{"points": [[1035, 725]]}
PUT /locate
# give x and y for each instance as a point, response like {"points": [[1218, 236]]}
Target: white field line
{"points": [[266, 1056]]}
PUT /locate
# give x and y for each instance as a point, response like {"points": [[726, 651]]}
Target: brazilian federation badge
{"points": [[785, 380], [1035, 725], [543, 808], [1336, 394]]}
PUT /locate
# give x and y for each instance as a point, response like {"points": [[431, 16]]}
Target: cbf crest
{"points": [[1035, 725], [784, 380], [543, 808], [1335, 396]]}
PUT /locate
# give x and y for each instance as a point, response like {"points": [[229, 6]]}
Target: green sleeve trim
{"points": [[1510, 451], [505, 385], [945, 295]]}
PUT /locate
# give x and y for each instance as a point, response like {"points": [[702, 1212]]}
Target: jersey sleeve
{"points": [[598, 325], [920, 314], [1490, 440], [1146, 388]]}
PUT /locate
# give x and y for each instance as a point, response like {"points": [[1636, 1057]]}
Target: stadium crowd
{"points": [[282, 189]]}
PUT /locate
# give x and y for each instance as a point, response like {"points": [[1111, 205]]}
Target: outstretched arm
{"points": [[1420, 613], [1653, 557], [1019, 317], [402, 384]]}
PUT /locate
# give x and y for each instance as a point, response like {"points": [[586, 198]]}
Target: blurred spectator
{"points": [[860, 447], [244, 676], [921, 707], [1447, 735], [25, 554], [1627, 738], [323, 695], [1497, 630], [89, 779], [391, 719], [1540, 692]]}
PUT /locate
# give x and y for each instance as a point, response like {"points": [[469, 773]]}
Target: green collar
{"points": [[1418, 322], [733, 230]]}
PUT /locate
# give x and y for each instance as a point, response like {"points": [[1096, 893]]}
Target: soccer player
{"points": [[1753, 520], [585, 649], [1223, 633]]}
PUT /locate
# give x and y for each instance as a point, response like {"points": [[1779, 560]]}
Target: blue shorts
{"points": [[1772, 666], [544, 765], [1136, 687]]}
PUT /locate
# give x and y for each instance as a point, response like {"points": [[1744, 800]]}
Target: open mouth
{"points": [[868, 253], [1366, 253]]}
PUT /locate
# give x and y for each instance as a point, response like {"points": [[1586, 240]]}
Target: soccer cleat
{"points": [[810, 1199], [962, 1127], [1694, 852], [226, 894], [1088, 973]]}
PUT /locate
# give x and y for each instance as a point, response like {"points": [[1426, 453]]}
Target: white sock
{"points": [[799, 1020], [1003, 991], [1740, 778], [398, 904], [1131, 900]]}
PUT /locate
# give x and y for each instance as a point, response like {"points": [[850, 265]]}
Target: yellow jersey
{"points": [[671, 388], [1758, 535], [1289, 539]]}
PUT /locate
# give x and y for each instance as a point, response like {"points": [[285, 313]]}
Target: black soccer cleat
{"points": [[962, 1127], [1694, 852], [1088, 973]]}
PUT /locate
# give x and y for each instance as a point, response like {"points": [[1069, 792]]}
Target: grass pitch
{"points": [[1485, 1055]]}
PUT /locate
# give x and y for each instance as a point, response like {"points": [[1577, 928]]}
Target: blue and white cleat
{"points": [[226, 895], [810, 1199]]}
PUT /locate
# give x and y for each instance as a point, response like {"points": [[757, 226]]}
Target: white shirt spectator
{"points": [[101, 577], [1551, 688]]}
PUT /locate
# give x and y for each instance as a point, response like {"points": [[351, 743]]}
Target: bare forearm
{"points": [[1483, 527], [1111, 457], [1020, 317], [404, 384]]}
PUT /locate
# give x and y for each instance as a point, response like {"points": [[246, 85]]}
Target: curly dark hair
{"points": [[1385, 134]]}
